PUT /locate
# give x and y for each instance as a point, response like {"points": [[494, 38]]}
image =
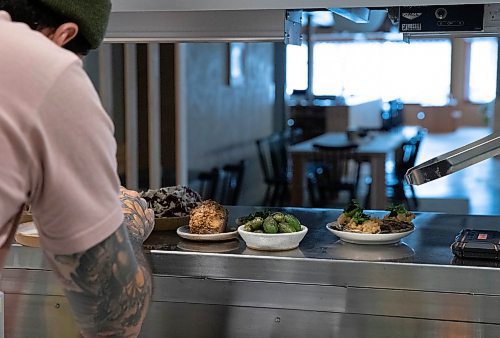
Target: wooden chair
{"points": [[405, 159], [208, 183], [230, 183], [274, 162], [396, 185], [333, 169]]}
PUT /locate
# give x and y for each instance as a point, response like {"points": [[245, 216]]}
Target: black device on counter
{"points": [[484, 244]]}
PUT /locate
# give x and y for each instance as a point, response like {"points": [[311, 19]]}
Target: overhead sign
{"points": [[458, 18]]}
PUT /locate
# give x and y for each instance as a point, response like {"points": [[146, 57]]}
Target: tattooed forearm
{"points": [[108, 287], [138, 217]]}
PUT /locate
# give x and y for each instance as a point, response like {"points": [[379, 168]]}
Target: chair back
{"points": [[332, 169], [406, 156], [207, 183], [264, 158], [273, 158], [231, 182]]}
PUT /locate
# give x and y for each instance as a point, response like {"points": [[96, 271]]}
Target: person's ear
{"points": [[62, 34]]}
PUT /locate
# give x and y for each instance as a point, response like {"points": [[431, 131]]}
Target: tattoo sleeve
{"points": [[108, 288], [109, 285]]}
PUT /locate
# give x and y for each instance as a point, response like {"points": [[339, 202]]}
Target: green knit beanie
{"points": [[91, 16]]}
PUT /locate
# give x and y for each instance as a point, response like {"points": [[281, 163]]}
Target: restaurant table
{"points": [[373, 149], [324, 288]]}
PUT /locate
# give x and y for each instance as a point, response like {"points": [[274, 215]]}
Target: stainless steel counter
{"points": [[325, 288]]}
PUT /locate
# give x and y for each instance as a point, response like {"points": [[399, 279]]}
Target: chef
{"points": [[58, 155]]}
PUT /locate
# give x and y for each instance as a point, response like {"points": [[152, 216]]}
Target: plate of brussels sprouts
{"points": [[271, 231]]}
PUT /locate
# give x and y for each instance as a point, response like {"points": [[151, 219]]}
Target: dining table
{"points": [[374, 148]]}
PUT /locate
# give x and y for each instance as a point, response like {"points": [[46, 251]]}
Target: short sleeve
{"points": [[74, 198]]}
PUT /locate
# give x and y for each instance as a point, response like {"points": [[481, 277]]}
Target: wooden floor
{"points": [[474, 190]]}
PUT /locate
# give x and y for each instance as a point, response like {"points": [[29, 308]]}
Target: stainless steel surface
{"points": [[190, 26], [206, 5], [356, 15], [38, 316], [215, 20], [327, 298], [293, 27], [325, 288], [202, 321], [455, 160]]}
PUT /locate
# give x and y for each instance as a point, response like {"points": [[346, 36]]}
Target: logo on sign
{"points": [[411, 16], [412, 27]]}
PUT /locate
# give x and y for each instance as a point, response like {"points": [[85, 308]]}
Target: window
{"points": [[296, 68], [482, 70], [418, 72]]}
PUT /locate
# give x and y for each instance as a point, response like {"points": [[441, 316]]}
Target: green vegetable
{"points": [[352, 208], [285, 227], [256, 223], [397, 209], [247, 227], [293, 221], [270, 225], [359, 217], [248, 218], [279, 217]]}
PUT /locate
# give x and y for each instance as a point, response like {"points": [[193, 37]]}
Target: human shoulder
{"points": [[30, 59]]}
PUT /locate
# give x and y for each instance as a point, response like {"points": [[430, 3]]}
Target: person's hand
{"points": [[138, 217]]}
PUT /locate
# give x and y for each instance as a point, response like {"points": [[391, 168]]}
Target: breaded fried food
{"points": [[208, 218]]}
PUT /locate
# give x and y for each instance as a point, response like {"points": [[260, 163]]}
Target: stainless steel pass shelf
{"points": [[322, 289]]}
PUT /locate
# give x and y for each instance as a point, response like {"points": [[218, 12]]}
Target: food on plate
{"points": [[270, 222], [208, 218], [399, 213], [389, 226], [353, 208], [353, 219], [397, 220], [244, 219], [175, 201]]}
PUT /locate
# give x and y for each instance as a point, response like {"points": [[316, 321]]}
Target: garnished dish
{"points": [[353, 219], [207, 222], [397, 220], [171, 205], [272, 231], [355, 226]]}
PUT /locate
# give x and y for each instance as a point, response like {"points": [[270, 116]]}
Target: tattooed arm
{"points": [[109, 285]]}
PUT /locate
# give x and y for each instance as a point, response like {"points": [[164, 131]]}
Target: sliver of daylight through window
{"points": [[483, 70], [418, 72], [296, 68]]}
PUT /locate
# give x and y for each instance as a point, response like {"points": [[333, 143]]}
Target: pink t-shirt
{"points": [[57, 150]]}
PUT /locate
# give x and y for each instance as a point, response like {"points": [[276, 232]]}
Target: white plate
{"points": [[183, 232], [272, 242], [360, 238], [27, 235]]}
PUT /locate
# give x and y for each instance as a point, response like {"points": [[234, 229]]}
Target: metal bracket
{"points": [[356, 15], [293, 27]]}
